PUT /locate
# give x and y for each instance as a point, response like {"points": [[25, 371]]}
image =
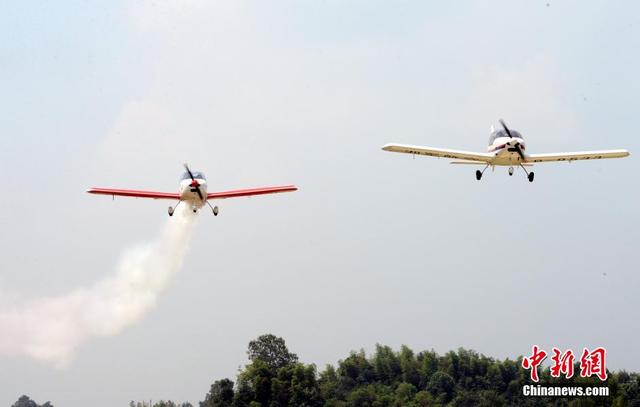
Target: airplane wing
{"points": [[439, 152], [250, 192], [134, 193], [581, 155]]}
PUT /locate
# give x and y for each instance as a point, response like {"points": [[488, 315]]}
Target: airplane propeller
{"points": [[517, 146], [194, 182]]}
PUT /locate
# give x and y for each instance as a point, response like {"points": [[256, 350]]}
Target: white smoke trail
{"points": [[50, 329]]}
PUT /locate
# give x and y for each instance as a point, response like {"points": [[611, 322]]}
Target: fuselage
{"points": [[505, 147], [189, 192]]}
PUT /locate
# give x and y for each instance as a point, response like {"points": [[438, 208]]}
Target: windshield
{"points": [[196, 174], [501, 133]]}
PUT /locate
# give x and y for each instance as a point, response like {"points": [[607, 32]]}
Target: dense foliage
{"points": [[25, 401], [275, 378], [387, 378]]}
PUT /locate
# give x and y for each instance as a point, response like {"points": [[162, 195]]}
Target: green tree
{"points": [[404, 394], [400, 379], [494, 378], [328, 383], [305, 390], [372, 395], [25, 401], [257, 376], [272, 350], [243, 394], [354, 371], [441, 386], [424, 399], [220, 395], [409, 366], [428, 362], [386, 365]]}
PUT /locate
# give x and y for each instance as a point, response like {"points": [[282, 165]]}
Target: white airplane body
{"points": [[192, 190], [506, 148]]}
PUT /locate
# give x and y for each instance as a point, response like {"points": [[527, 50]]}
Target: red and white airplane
{"points": [[193, 191], [506, 147]]}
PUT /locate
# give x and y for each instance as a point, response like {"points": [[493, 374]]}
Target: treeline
{"points": [[388, 378], [275, 378], [25, 401]]}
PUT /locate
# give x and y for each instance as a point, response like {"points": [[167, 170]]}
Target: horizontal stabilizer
{"points": [[481, 163]]}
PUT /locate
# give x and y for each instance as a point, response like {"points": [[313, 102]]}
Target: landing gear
{"points": [[214, 209], [529, 174], [510, 171], [479, 173], [171, 210]]}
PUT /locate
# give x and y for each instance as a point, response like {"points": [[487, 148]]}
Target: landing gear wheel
{"points": [[478, 175], [170, 211], [510, 171], [215, 211], [530, 176], [195, 210]]}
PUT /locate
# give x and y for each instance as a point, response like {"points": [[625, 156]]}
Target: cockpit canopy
{"points": [[196, 174], [501, 133]]}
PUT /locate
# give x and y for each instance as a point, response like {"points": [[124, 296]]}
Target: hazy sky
{"points": [[374, 247]]}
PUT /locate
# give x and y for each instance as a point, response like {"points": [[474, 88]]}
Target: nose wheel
{"points": [[510, 171]]}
